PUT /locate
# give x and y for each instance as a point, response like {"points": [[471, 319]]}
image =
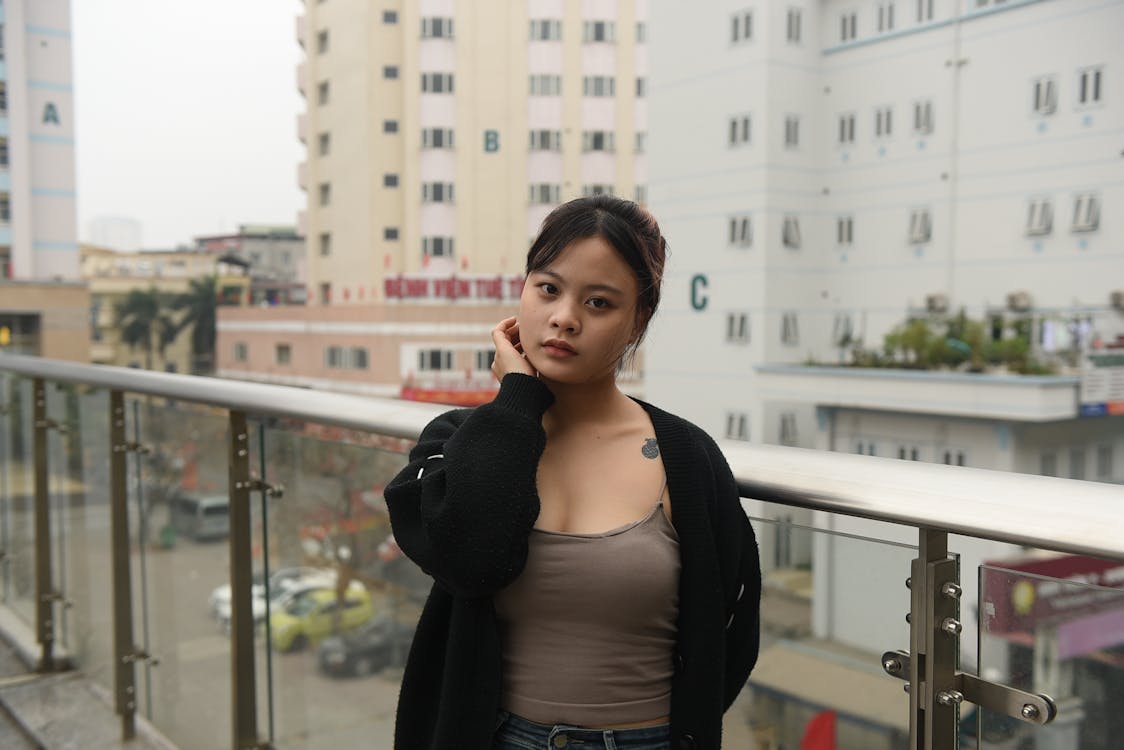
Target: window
{"points": [[641, 87], [334, 357], [1048, 464], [869, 448], [325, 193], [545, 193], [358, 359], [599, 86], [953, 458], [325, 292], [641, 142], [924, 10], [788, 434], [599, 31], [325, 243], [1089, 86], [1076, 463], [911, 453], [324, 144], [741, 26], [1086, 213], [4, 158], [790, 329], [1045, 95], [791, 131], [390, 16], [546, 30], [437, 83], [923, 117], [437, 247], [484, 359], [883, 122], [596, 188], [640, 194], [437, 192], [885, 17], [1040, 218], [847, 26], [792, 30], [323, 93], [546, 140], [390, 180], [282, 354], [920, 226], [739, 130], [641, 32], [737, 327], [741, 231], [1104, 462], [390, 234], [737, 425], [437, 28], [845, 230], [390, 72], [847, 128], [842, 330], [241, 351], [435, 360], [437, 137], [598, 140], [390, 126], [546, 85], [790, 232]]}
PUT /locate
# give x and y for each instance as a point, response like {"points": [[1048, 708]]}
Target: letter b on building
{"points": [[491, 141]]}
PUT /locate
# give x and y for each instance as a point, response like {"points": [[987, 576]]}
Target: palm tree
{"points": [[143, 319], [198, 304]]}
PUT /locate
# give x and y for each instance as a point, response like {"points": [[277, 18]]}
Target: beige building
{"points": [[439, 135], [110, 277], [45, 319]]}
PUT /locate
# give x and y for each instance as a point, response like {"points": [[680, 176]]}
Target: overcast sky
{"points": [[186, 114]]}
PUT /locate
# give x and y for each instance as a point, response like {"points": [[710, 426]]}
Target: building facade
{"points": [[847, 165], [439, 135]]}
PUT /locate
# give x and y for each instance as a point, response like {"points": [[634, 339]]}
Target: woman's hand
{"points": [[509, 352]]}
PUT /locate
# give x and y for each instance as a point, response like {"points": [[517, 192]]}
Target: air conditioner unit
{"points": [[936, 303], [1019, 301], [1116, 299]]}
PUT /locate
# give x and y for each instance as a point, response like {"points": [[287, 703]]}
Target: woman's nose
{"points": [[564, 318]]}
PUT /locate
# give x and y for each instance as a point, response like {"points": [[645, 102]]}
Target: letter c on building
{"points": [[699, 298]]}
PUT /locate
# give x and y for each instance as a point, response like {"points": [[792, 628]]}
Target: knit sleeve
{"points": [[463, 507]]}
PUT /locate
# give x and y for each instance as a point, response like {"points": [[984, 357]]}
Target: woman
{"points": [[596, 581]]}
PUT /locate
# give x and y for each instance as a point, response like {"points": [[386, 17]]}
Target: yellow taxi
{"points": [[308, 616]]}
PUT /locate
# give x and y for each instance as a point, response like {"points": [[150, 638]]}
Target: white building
{"points": [[844, 164], [38, 217]]}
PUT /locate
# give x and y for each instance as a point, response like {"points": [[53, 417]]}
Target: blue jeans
{"points": [[516, 733]]}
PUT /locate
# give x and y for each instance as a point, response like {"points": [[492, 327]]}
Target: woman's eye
{"points": [[598, 303], [548, 288]]}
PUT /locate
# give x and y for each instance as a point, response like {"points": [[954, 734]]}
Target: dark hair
{"points": [[628, 228]]}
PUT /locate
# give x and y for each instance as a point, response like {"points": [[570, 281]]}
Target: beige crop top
{"points": [[588, 629]]}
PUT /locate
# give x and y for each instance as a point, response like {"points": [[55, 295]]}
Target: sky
{"points": [[186, 114]]}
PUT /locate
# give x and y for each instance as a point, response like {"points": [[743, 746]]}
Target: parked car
{"points": [[281, 583], [380, 643], [310, 616], [201, 517]]}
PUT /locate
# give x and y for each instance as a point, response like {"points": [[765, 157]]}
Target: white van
{"points": [[201, 517]]}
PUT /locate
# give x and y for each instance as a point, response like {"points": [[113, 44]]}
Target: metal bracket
{"points": [[51, 424], [1029, 707], [132, 447], [139, 654], [257, 485], [54, 596]]}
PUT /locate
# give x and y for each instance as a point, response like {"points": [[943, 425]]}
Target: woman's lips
{"points": [[558, 348]]}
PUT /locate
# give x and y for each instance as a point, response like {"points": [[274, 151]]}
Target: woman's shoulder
{"points": [[674, 425]]}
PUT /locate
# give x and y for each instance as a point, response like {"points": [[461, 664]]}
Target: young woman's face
{"points": [[577, 315]]}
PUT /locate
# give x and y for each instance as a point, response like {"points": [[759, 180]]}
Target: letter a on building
{"points": [[51, 114]]}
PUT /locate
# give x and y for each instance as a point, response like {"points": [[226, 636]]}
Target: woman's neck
{"points": [[586, 405]]}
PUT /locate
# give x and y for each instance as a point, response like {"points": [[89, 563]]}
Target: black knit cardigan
{"points": [[463, 510]]}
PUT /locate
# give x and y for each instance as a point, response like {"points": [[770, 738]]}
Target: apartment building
{"points": [[439, 134]]}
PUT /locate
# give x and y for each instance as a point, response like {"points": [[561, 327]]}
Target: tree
{"points": [[198, 306], [144, 320]]}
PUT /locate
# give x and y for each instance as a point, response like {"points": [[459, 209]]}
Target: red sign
{"points": [[453, 287], [1048, 592]]}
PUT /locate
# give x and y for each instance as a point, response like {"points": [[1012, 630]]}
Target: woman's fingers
{"points": [[509, 350]]}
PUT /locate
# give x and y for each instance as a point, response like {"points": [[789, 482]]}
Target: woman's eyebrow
{"points": [[587, 288]]}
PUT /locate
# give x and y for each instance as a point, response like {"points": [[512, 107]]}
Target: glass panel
{"points": [[179, 505], [331, 525], [1055, 625], [834, 599], [80, 522], [19, 509]]}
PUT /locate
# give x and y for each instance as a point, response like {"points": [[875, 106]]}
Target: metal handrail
{"points": [[1065, 515]]}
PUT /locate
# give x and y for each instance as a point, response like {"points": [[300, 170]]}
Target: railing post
{"points": [[934, 636], [44, 586], [124, 675], [244, 703]]}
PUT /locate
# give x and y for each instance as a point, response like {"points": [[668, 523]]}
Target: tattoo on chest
{"points": [[651, 448]]}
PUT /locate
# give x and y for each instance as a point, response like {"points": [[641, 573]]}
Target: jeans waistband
{"points": [[533, 734]]}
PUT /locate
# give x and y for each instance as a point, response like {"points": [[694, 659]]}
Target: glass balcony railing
{"points": [[198, 547]]}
